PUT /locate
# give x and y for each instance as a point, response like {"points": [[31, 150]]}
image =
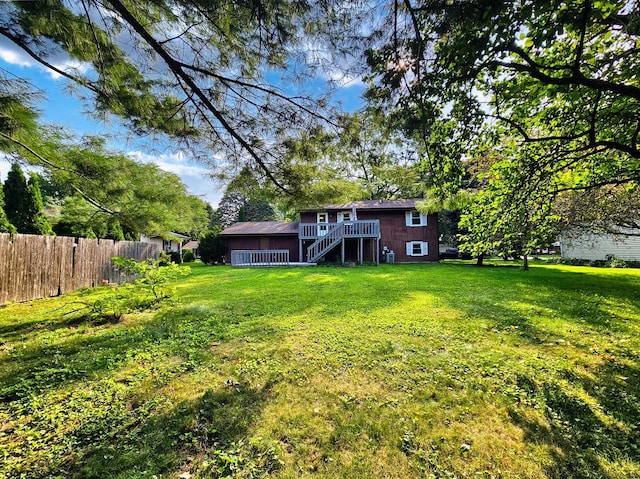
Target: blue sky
{"points": [[64, 110]]}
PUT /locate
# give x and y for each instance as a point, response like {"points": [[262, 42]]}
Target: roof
{"points": [[371, 205], [171, 235], [192, 244], [253, 228]]}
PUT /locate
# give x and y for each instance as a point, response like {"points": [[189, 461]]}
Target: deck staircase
{"points": [[326, 243]]}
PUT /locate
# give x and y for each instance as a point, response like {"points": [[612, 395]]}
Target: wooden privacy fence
{"points": [[33, 267]]}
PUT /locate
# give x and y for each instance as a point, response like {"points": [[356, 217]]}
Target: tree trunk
{"points": [[525, 262], [480, 260]]}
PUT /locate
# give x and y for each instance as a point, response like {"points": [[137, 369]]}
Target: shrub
{"points": [[164, 259], [188, 256], [150, 283], [617, 263], [611, 262], [148, 288], [176, 257], [212, 248]]}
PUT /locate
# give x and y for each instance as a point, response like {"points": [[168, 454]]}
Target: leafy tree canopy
{"points": [[5, 225], [17, 198], [195, 71], [556, 76]]}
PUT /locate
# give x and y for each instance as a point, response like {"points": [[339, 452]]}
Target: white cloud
{"points": [[14, 55], [330, 68], [197, 178], [343, 78]]}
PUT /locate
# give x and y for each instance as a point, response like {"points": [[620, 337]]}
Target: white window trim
{"points": [[322, 226], [341, 216], [424, 248], [409, 219]]}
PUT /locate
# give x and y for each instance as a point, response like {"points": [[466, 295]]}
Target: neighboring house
{"points": [[169, 242], [600, 246], [376, 230], [193, 246]]}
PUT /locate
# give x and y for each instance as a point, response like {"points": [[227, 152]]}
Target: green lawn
{"points": [[395, 371]]}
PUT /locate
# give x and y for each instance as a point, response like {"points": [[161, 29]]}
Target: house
{"points": [[193, 246], [373, 230], [169, 243], [600, 246]]}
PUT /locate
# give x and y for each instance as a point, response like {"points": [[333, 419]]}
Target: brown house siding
{"points": [[262, 242], [394, 233]]}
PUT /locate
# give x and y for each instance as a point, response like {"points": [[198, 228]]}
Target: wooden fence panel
{"points": [[5, 261], [65, 251], [33, 266]]}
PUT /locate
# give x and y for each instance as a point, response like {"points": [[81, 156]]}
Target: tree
{"points": [[23, 206], [38, 222], [377, 155], [141, 197], [5, 225], [559, 76], [506, 219], [609, 209], [78, 218], [196, 216], [17, 199], [212, 247], [196, 71], [363, 159], [257, 210], [229, 208]]}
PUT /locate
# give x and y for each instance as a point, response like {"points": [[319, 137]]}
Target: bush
{"points": [[188, 256], [164, 259], [617, 263], [610, 262], [176, 257], [148, 288], [212, 248]]}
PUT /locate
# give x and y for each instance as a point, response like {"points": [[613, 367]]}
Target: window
{"points": [[415, 218], [344, 216], [323, 226], [417, 248]]}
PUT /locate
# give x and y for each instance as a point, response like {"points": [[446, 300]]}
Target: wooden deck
{"points": [[350, 229], [325, 236], [328, 236], [263, 258]]}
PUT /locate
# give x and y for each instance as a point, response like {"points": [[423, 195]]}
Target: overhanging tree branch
{"points": [[52, 165], [176, 69], [576, 78]]}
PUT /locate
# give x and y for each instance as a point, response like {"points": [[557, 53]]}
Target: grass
{"points": [[397, 371]]}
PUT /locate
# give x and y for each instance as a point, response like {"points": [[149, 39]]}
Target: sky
{"points": [[62, 109]]}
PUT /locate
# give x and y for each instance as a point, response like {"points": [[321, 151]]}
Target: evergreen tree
{"points": [[37, 221], [229, 209], [115, 230], [5, 225], [212, 247], [17, 198]]}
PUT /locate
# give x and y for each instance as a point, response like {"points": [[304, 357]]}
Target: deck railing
{"points": [[352, 229], [267, 257], [325, 243]]}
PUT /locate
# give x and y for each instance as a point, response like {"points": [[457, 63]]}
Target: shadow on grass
{"points": [[121, 433], [584, 434], [212, 426], [182, 332], [514, 299], [590, 421]]}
